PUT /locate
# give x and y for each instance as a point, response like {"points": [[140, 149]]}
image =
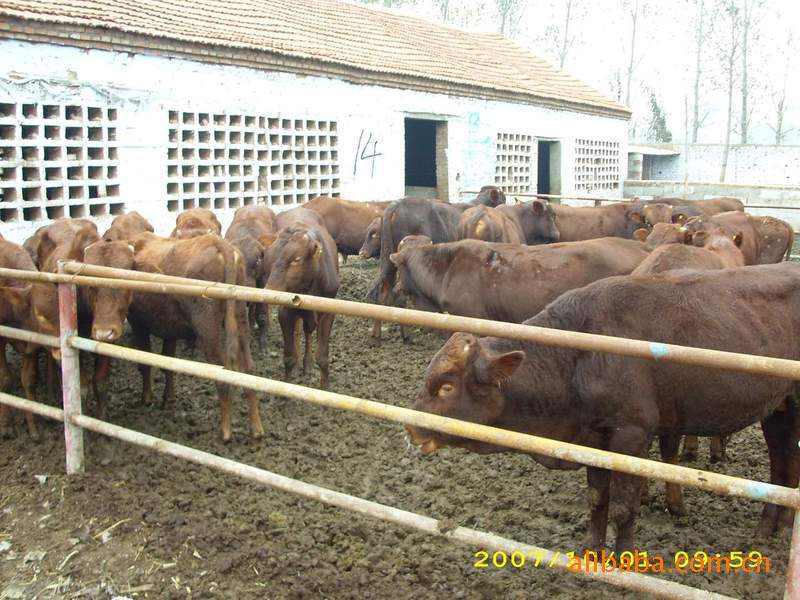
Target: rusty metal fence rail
{"points": [[72, 274]]}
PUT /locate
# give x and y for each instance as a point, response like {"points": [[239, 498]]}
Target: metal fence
{"points": [[69, 343]]}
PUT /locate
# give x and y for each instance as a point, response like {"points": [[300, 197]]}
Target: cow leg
{"points": [[28, 376], [775, 432], [168, 349], [6, 430], [261, 319], [323, 344], [791, 474], [690, 445], [142, 340], [598, 480], [288, 321], [718, 446], [53, 378], [669, 446], [625, 490], [102, 369], [309, 325]]}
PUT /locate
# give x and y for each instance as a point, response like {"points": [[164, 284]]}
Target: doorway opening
{"points": [[426, 158], [548, 179]]}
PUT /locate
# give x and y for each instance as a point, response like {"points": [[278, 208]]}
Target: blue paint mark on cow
{"points": [[658, 350], [758, 490]]}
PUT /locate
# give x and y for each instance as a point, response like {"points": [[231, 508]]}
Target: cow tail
{"points": [[790, 245], [385, 271], [231, 261]]}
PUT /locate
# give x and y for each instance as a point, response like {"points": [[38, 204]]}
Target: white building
{"points": [[158, 107]]}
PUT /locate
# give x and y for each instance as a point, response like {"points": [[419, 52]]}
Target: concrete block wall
{"points": [[189, 133], [782, 202]]}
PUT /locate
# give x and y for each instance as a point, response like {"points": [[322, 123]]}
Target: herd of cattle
{"points": [[697, 273]]}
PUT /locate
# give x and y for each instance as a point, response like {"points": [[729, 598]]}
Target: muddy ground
{"points": [[141, 525]]}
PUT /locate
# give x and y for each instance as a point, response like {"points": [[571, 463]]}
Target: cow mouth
{"points": [[426, 446]]}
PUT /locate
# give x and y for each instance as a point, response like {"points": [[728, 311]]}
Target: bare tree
{"points": [[634, 14], [703, 26], [566, 39], [749, 20], [508, 11], [779, 92], [444, 9], [729, 51]]}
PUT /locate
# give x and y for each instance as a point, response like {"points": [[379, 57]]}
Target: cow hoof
{"points": [[765, 529], [408, 340], [718, 458], [689, 456], [257, 435], [677, 510]]}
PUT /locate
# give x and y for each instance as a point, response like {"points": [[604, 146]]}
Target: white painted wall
{"points": [[144, 88]]}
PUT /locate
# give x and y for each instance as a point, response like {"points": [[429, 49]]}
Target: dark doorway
{"points": [[548, 173], [425, 141], [543, 175]]}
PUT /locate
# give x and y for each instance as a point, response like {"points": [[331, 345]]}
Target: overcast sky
{"points": [[665, 56]]}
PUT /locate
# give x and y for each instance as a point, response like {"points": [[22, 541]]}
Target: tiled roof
{"points": [[339, 36]]}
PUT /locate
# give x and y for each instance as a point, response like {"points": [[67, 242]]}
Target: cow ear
{"points": [[265, 241], [699, 238], [538, 207], [497, 369], [640, 234], [46, 248], [396, 258], [635, 216], [737, 238]]}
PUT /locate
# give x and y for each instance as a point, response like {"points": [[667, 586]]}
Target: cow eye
{"points": [[297, 259], [445, 388], [372, 235]]}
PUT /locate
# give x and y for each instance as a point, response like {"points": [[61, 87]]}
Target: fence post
{"points": [[70, 373], [792, 590]]}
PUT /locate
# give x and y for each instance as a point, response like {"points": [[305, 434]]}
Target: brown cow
{"points": [[249, 226], [439, 221], [220, 328], [25, 306], [347, 221], [536, 220], [302, 260], [126, 227], [706, 251], [577, 223], [195, 222], [707, 207], [490, 195], [765, 240], [618, 403], [506, 282], [80, 231], [490, 225], [371, 248]]}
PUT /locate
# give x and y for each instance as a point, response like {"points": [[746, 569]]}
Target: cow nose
{"points": [[104, 335]]}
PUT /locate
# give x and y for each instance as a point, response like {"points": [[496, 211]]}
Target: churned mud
{"points": [[142, 525]]}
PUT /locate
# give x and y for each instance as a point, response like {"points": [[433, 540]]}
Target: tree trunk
{"points": [[731, 58], [779, 123], [565, 41], [635, 16], [698, 38], [744, 120]]}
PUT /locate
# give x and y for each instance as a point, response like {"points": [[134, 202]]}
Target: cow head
{"points": [[491, 195], [371, 248], [294, 259], [463, 381], [663, 233], [539, 223], [404, 283], [109, 306]]}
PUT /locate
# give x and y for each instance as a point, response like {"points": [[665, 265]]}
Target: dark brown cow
{"points": [[302, 260], [765, 240], [220, 328], [439, 221], [371, 248], [536, 220], [347, 221], [618, 403], [25, 306], [490, 225], [249, 227], [194, 222], [490, 195], [506, 282], [125, 227], [576, 223], [289, 269]]}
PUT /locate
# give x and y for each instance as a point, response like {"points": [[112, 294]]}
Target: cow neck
{"points": [[429, 265]]}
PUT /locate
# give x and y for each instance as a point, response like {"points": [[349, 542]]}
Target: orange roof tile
{"points": [[383, 44]]}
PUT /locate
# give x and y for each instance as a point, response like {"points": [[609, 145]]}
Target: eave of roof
{"points": [[88, 32]]}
